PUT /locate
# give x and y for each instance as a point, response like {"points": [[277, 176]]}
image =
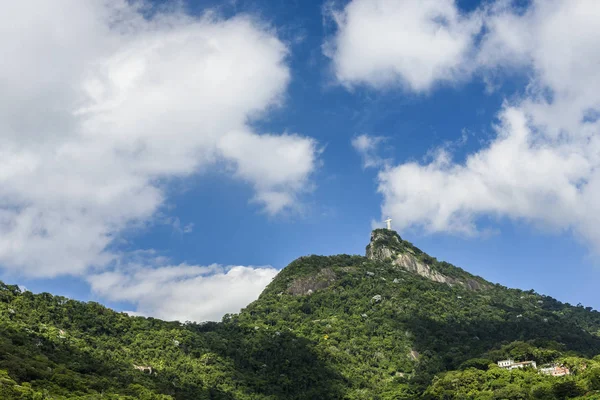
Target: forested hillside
{"points": [[387, 326]]}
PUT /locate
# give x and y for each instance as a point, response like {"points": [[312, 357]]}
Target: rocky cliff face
{"points": [[383, 245], [386, 245]]}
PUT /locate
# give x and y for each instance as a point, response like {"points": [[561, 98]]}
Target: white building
{"points": [[555, 370], [505, 363], [511, 364]]}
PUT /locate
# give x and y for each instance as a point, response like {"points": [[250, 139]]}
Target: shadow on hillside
{"points": [[63, 369], [277, 364], [445, 345]]}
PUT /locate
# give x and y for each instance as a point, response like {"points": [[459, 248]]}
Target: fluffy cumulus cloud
{"points": [[368, 148], [542, 165], [101, 105], [281, 170], [184, 292], [412, 43], [512, 177]]}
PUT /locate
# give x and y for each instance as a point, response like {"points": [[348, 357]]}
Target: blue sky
{"points": [[195, 222]]}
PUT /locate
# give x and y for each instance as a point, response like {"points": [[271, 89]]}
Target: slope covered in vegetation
{"points": [[338, 327]]}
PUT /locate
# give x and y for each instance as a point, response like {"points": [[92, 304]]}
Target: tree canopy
{"points": [[337, 327]]}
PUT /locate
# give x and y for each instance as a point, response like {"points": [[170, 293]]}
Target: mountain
{"points": [[394, 324], [388, 246]]}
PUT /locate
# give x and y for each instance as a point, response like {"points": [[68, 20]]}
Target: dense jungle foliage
{"points": [[338, 327]]}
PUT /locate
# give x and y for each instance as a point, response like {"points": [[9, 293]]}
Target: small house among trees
{"points": [[555, 370], [511, 364]]}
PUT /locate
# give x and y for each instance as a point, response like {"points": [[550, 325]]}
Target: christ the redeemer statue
{"points": [[389, 224]]}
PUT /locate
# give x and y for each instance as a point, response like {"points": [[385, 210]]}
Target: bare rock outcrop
{"points": [[309, 284], [388, 246]]}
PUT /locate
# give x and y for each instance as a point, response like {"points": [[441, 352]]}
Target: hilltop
{"points": [[393, 324], [388, 246]]}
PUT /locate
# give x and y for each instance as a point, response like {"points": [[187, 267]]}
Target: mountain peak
{"points": [[327, 327], [384, 245], [387, 246]]}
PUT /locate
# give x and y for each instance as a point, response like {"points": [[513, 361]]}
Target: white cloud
{"points": [[368, 148], [184, 292], [513, 177], [279, 169], [413, 43], [101, 106], [542, 165]]}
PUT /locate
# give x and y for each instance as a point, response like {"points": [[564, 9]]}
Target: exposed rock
{"points": [[388, 246], [375, 251], [410, 263], [308, 284], [377, 298], [474, 284]]}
